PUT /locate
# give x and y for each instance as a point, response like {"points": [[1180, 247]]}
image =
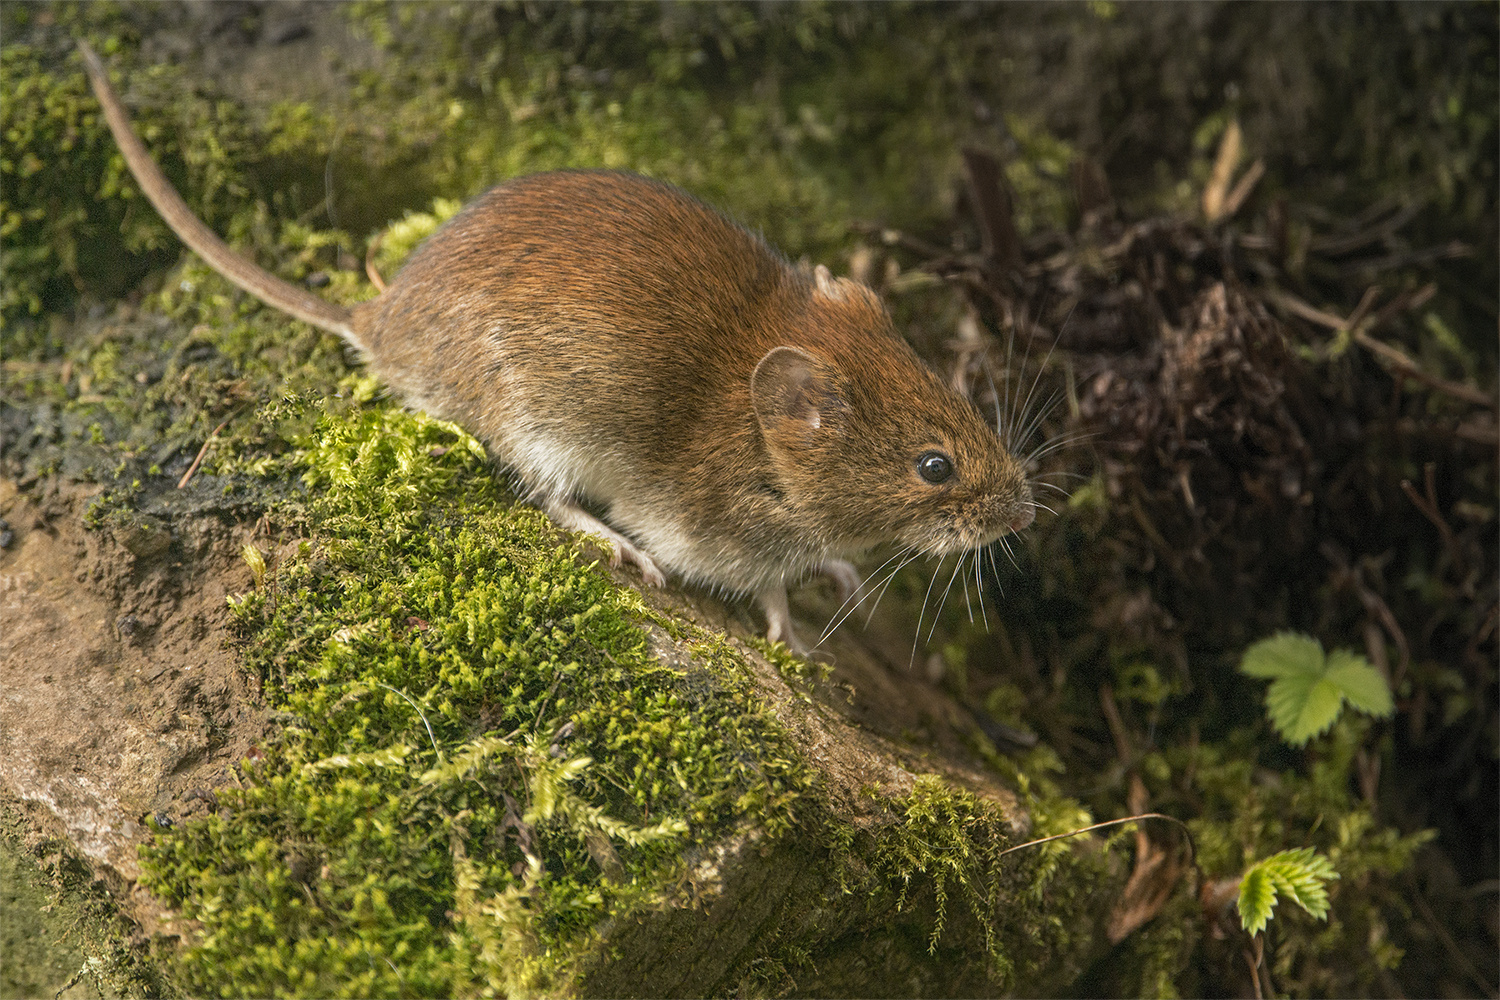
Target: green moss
{"points": [[939, 864], [946, 836], [476, 725], [802, 671], [67, 210]]}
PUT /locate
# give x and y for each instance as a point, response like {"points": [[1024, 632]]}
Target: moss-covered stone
{"points": [[493, 759]]}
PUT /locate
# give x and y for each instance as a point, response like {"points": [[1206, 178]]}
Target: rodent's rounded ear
{"points": [[794, 393]]}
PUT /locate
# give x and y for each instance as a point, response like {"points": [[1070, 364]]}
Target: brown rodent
{"points": [[741, 422]]}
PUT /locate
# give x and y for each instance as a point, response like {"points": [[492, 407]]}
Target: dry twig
{"points": [[197, 459]]}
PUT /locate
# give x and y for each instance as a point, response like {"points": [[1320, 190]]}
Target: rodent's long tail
{"points": [[204, 241]]}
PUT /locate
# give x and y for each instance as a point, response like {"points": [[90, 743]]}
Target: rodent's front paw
{"points": [[844, 576], [566, 513]]}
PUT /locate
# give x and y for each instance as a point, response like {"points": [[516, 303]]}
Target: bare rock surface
{"points": [[117, 694]]}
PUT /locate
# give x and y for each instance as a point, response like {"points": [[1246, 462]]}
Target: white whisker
{"points": [[891, 576], [1042, 413], [1061, 473], [916, 639], [995, 398], [967, 605], [1030, 393], [979, 591], [1053, 444], [1051, 486], [943, 601], [1009, 410], [1005, 544], [995, 569], [854, 599]]}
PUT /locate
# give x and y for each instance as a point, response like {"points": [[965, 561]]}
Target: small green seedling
{"points": [[1302, 875], [1308, 689]]}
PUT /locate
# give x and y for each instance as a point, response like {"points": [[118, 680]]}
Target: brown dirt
{"points": [[119, 697]]}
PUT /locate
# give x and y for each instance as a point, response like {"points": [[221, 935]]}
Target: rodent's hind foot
{"points": [[626, 552], [567, 514], [779, 619], [649, 572]]}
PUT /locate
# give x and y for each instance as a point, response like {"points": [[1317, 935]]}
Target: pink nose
{"points": [[1021, 520]]}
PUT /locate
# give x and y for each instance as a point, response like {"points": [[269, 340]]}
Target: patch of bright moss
{"points": [[799, 670], [483, 758], [947, 836], [956, 913]]}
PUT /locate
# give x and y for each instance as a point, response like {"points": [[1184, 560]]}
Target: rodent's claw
{"points": [[653, 576], [567, 514], [625, 552]]}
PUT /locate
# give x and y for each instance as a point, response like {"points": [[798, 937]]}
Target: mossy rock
{"points": [[469, 760], [490, 767], [502, 770]]}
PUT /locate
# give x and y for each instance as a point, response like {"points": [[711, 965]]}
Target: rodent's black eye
{"points": [[934, 466]]}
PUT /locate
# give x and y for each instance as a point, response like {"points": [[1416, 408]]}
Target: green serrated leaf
{"points": [[1257, 899], [1304, 884], [1307, 708], [1300, 874], [1285, 698], [1308, 690], [1361, 683], [1282, 655]]}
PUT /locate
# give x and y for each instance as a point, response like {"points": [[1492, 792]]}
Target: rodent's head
{"points": [[869, 445]]}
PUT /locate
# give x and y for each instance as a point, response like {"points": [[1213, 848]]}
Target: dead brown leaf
{"points": [[1157, 869]]}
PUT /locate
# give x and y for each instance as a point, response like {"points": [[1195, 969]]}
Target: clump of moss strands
{"points": [[481, 756]]}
